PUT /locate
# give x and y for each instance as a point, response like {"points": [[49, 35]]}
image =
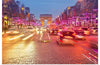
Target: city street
{"points": [[50, 32], [27, 48]]}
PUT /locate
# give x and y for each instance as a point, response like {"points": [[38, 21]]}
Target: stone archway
{"points": [[44, 17]]}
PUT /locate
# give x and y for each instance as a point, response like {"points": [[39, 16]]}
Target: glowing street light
{"points": [[5, 17], [22, 8], [68, 8]]}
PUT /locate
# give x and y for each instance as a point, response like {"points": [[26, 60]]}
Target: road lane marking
{"points": [[28, 37], [17, 37], [89, 58], [95, 51], [93, 55], [41, 36], [48, 36]]}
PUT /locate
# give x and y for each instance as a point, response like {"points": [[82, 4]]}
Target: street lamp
{"points": [[29, 18], [68, 8], [22, 8], [5, 17]]}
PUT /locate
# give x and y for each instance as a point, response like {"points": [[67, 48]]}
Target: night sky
{"points": [[54, 7]]}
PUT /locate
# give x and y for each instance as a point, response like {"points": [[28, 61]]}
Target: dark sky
{"points": [[54, 7]]}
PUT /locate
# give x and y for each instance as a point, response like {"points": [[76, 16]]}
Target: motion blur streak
{"points": [[17, 37], [28, 37], [15, 32], [8, 32]]}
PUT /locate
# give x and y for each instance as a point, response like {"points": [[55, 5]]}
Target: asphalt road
{"points": [[29, 49]]}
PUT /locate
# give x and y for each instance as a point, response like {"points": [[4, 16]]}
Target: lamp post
{"points": [[5, 15], [29, 18]]}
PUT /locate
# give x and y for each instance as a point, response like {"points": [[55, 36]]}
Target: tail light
{"points": [[61, 41], [58, 31], [86, 32], [74, 34], [94, 31]]}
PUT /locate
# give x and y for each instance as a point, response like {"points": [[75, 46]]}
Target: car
{"points": [[86, 31], [54, 31], [65, 37], [79, 32], [94, 31], [79, 37]]}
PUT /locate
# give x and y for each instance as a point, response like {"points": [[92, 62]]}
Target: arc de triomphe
{"points": [[44, 17]]}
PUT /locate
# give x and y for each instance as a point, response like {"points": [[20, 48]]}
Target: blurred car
{"points": [[30, 28], [79, 37], [86, 31], [54, 31], [94, 31], [79, 32], [65, 37]]}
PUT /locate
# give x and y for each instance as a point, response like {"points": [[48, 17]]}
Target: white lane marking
{"points": [[89, 58], [93, 55], [48, 36], [28, 36], [17, 37]]}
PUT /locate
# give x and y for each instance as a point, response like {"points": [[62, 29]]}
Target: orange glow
{"points": [[86, 32], [17, 37], [22, 8], [74, 34], [68, 8], [5, 17]]}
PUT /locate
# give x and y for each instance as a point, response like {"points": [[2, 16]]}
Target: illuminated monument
{"points": [[45, 19]]}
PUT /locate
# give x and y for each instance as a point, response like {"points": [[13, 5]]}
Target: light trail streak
{"points": [[8, 32], [28, 36], [48, 36], [17, 37]]}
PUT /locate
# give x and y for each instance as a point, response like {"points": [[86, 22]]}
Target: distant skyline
{"points": [[54, 7]]}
